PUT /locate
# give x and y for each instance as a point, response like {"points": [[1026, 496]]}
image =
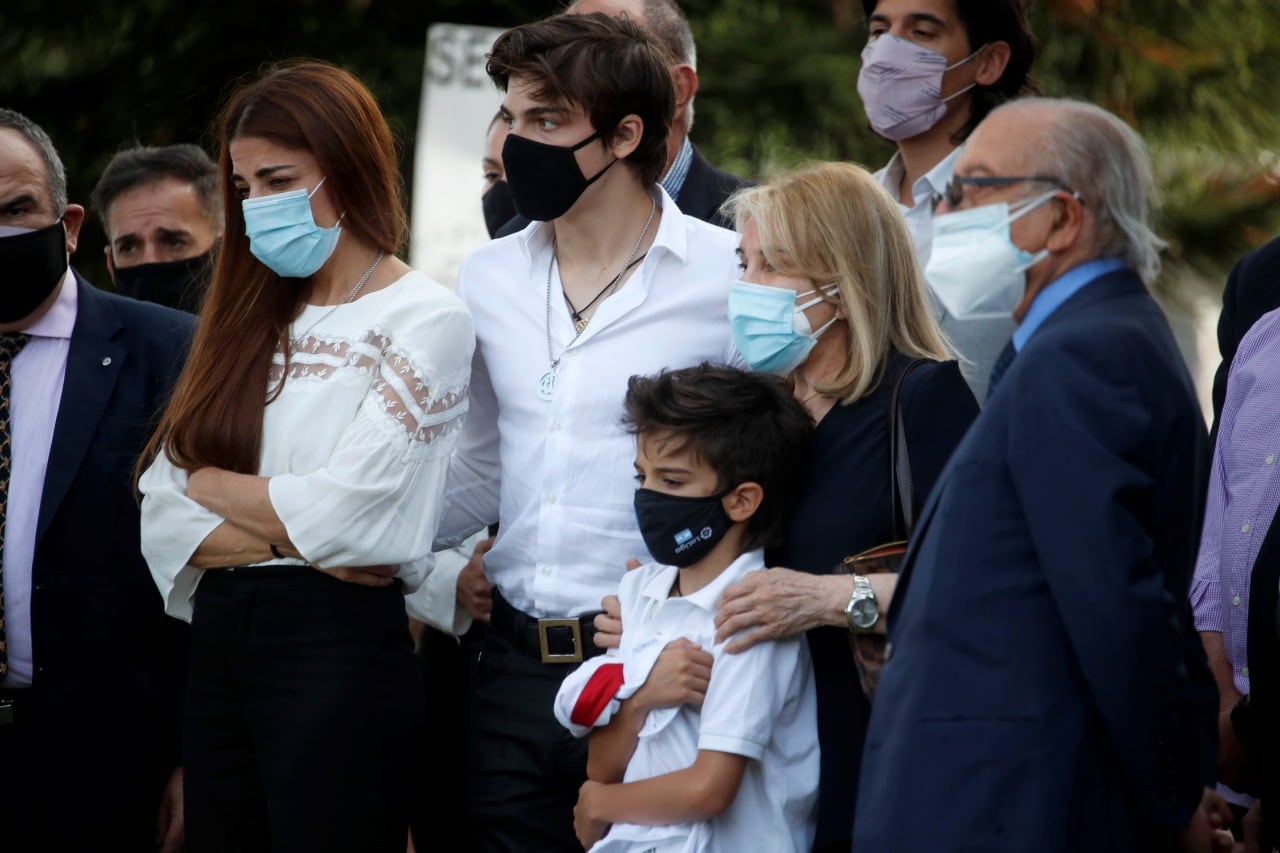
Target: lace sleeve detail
{"points": [[418, 405]]}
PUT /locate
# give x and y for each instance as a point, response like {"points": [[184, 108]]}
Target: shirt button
{"points": [[552, 499], [1271, 459], [555, 425], [1247, 527], [1236, 601], [1245, 672], [546, 570]]}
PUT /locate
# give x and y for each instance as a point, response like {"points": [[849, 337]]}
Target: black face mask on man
{"points": [[545, 179], [680, 531], [174, 284], [33, 262], [499, 208]]}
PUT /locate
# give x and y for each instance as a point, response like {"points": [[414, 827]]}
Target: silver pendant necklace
{"points": [[547, 384], [364, 279]]}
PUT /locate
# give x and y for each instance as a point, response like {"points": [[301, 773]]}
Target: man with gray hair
{"points": [[92, 671], [162, 210], [699, 189], [1045, 688]]}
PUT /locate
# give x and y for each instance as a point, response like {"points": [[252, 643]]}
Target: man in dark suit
{"points": [[698, 188], [1045, 688], [92, 669], [1253, 289]]}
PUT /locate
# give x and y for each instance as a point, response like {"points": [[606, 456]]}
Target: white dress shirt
{"points": [[35, 393], [760, 704], [927, 190], [356, 445], [559, 473]]}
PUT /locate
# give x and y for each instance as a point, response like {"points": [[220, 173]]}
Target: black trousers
{"points": [[524, 768], [304, 714]]}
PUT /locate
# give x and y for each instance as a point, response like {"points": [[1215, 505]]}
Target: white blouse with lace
{"points": [[356, 445]]}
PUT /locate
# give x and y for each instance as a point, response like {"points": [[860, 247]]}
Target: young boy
{"points": [[718, 460]]}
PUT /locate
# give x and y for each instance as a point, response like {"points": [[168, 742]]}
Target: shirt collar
{"points": [[1059, 291], [673, 180], [535, 239], [931, 185], [60, 319], [659, 586]]}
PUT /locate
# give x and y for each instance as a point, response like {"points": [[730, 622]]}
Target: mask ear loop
{"points": [[342, 215], [1023, 211]]}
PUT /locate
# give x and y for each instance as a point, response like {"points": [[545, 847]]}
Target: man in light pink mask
{"points": [[931, 71]]}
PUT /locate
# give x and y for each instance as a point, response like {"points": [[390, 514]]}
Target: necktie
{"points": [[10, 344], [1001, 366]]}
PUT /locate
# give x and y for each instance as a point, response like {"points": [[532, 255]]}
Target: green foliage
{"points": [[778, 84]]}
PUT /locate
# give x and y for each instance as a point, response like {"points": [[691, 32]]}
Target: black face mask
{"points": [[499, 209], [545, 179], [680, 531], [175, 284], [33, 264]]}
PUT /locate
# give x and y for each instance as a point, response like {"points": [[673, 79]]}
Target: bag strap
{"points": [[901, 489]]}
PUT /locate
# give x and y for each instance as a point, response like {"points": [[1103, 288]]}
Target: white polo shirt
{"points": [[760, 704]]}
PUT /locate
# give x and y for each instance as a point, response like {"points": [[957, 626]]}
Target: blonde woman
{"points": [[832, 295]]}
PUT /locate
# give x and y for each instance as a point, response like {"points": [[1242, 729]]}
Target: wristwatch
{"points": [[861, 611]]}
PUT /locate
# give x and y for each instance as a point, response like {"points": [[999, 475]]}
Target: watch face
{"points": [[864, 613]]}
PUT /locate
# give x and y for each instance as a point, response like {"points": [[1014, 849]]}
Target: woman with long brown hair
{"points": [[297, 475]]}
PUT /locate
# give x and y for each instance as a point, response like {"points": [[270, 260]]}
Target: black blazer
{"points": [[1047, 689], [705, 189], [1263, 652], [1253, 289], [110, 666]]}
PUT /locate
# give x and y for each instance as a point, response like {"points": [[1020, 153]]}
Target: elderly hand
{"points": [[779, 603]]}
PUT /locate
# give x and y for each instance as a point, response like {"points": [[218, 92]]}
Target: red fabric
{"points": [[596, 695]]}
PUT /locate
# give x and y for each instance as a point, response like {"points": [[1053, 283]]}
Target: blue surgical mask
{"points": [[974, 268], [283, 233], [770, 329]]}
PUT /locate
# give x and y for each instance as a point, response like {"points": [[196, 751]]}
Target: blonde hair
{"points": [[834, 223]]}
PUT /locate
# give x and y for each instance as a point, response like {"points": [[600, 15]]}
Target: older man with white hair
{"points": [[1045, 688]]}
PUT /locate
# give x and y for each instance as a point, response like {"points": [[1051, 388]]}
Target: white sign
{"points": [[458, 102]]}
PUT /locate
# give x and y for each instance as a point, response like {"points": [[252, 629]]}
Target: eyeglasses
{"points": [[954, 193]]}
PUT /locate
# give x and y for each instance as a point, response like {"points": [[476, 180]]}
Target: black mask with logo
{"points": [[499, 208], [680, 531], [32, 264], [545, 179], [174, 284]]}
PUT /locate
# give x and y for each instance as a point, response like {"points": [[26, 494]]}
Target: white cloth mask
{"points": [[975, 269]]}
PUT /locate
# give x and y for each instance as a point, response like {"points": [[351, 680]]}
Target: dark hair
{"points": [[55, 172], [142, 165], [987, 21], [215, 415], [746, 426], [608, 67]]}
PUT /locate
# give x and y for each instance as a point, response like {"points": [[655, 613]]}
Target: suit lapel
{"points": [[93, 366], [917, 536]]}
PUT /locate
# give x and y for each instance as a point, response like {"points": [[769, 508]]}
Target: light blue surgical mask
{"points": [[770, 328], [283, 233], [975, 269]]}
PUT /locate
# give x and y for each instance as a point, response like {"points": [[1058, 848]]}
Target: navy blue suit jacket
{"points": [[110, 666], [1046, 689]]}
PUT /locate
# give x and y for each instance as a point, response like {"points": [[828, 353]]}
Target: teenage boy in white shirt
{"points": [[609, 281], [719, 457]]}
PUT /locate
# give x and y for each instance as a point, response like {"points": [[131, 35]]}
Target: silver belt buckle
{"points": [[574, 626], [6, 712]]}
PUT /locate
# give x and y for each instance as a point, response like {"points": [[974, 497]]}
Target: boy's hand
{"points": [[586, 825], [679, 677]]}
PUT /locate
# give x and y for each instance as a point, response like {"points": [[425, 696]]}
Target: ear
{"points": [[992, 61], [72, 219], [1068, 223], [742, 502], [626, 138], [111, 266], [686, 80]]}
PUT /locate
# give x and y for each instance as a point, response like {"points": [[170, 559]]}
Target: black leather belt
{"points": [[551, 640]]}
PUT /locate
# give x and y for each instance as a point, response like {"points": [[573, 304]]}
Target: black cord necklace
{"points": [[576, 313]]}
